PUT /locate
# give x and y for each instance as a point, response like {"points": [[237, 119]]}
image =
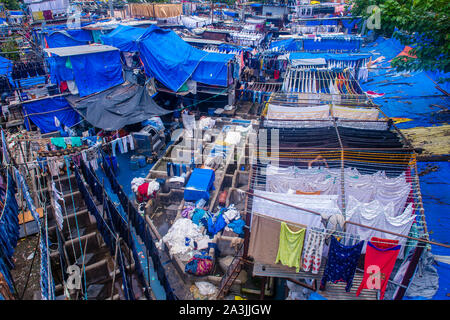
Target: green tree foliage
{"points": [[11, 4], [10, 47], [421, 24]]}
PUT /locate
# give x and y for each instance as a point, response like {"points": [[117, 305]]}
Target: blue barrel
{"points": [[142, 162]]}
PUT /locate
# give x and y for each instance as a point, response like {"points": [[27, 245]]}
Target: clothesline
{"points": [[350, 222], [328, 232]]}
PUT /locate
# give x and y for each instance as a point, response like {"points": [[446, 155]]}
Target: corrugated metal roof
{"points": [[77, 50]]}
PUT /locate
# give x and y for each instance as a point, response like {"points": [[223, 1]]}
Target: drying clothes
{"points": [[312, 252], [298, 113], [131, 141], [290, 246], [121, 148], [326, 205], [375, 214], [75, 141], [57, 195], [125, 144], [54, 167], [264, 238], [113, 146], [355, 113], [363, 187], [94, 164], [341, 263], [379, 262], [83, 156], [59, 142]]}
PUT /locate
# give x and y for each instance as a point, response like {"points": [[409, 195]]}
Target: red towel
{"points": [[381, 255], [276, 74]]}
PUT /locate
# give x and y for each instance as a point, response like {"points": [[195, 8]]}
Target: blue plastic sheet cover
{"points": [[328, 22], [435, 189], [229, 47], [93, 72], [287, 44], [58, 69], [349, 24], [68, 38], [5, 66], [411, 95], [123, 37], [199, 184], [213, 69], [167, 57], [341, 44], [53, 107], [172, 61]]}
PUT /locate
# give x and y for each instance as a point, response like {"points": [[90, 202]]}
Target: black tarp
{"points": [[117, 107]]}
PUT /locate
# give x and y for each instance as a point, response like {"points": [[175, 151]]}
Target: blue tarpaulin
{"points": [[93, 72], [287, 44], [123, 37], [42, 113], [411, 95], [213, 69], [327, 22], [172, 61], [199, 184], [68, 38], [5, 66], [435, 189]]}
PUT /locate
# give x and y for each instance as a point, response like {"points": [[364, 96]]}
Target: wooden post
{"points": [[263, 288]]}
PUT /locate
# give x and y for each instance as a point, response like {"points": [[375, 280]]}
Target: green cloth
{"points": [[58, 142], [290, 247], [76, 141], [68, 64]]}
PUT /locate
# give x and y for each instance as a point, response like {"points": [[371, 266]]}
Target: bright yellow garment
{"points": [[290, 247]]}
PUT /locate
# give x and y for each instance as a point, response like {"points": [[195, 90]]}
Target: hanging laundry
{"points": [[57, 196], [125, 144], [58, 142], [121, 148], [341, 263], [54, 167], [131, 141], [379, 262], [83, 155], [312, 253], [113, 146], [290, 246], [76, 141]]}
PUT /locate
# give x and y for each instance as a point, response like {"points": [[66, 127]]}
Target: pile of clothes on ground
{"points": [[193, 236]]}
